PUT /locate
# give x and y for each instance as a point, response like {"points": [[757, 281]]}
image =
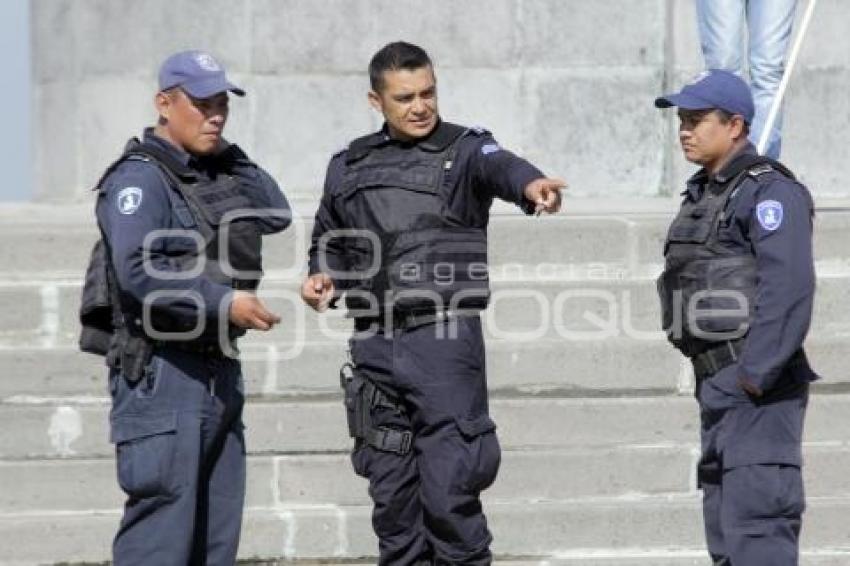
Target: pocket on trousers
{"points": [[360, 460], [485, 455], [145, 450]]}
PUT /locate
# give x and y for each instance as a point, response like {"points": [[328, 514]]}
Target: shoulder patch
{"points": [[129, 199], [760, 169], [489, 148], [769, 214]]}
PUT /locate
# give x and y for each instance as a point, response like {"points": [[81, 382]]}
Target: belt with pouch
{"points": [[725, 354], [209, 349], [716, 358], [411, 320]]}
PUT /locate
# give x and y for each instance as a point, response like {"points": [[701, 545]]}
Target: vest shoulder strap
{"points": [[360, 148]]}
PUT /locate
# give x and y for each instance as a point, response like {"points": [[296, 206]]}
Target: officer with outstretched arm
{"points": [[402, 231]]}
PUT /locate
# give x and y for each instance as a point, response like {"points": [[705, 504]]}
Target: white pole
{"points": [[786, 77]]}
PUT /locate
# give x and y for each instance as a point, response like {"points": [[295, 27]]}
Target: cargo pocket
{"points": [[484, 453], [145, 450], [360, 460]]}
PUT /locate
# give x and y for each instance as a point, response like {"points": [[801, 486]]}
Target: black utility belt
{"points": [[725, 354], [411, 320], [716, 358], [205, 348], [244, 285]]}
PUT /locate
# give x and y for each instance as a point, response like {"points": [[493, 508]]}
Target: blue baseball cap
{"points": [[196, 72], [713, 89]]}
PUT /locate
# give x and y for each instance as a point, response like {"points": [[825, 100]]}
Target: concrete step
{"points": [[79, 427], [593, 368], [626, 557], [46, 313], [612, 557], [568, 531], [73, 485], [42, 241]]}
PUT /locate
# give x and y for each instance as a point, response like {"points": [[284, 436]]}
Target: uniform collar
{"points": [[169, 148], [697, 183], [738, 163], [439, 139]]}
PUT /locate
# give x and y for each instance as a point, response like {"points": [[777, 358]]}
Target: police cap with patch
{"points": [[196, 72], [714, 89]]}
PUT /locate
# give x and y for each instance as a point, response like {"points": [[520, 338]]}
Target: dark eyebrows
{"points": [[408, 96]]}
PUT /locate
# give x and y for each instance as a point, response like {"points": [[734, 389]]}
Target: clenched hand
{"points": [[317, 291]]}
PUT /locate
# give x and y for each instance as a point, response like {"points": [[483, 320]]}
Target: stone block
{"points": [[558, 33], [293, 36], [55, 141], [814, 119], [825, 44], [302, 120], [523, 476], [596, 130], [22, 313], [487, 98], [111, 110], [78, 427], [132, 38], [53, 372], [471, 34], [54, 42], [685, 40]]}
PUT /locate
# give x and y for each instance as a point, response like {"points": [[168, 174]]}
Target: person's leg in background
{"points": [[721, 32], [770, 24]]}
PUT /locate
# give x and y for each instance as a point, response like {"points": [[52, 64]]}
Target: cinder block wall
{"points": [[568, 83]]}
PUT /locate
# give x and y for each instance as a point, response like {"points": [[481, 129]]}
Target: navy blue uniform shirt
{"points": [[770, 216], [154, 205], [482, 170]]}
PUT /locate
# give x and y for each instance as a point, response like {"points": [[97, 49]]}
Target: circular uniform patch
{"points": [[129, 200], [769, 214]]}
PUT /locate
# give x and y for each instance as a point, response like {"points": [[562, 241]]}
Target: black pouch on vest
{"points": [[96, 305]]}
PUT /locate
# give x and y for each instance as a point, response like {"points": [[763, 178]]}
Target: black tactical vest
{"points": [[422, 257], [708, 288], [231, 246]]}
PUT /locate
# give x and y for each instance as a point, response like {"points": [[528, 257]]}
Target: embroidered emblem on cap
{"points": [[207, 63], [490, 148], [769, 214], [129, 200]]}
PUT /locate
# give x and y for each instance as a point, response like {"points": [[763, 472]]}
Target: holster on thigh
{"points": [[362, 399]]}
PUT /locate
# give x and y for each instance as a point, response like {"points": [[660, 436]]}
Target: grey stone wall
{"points": [[567, 83]]}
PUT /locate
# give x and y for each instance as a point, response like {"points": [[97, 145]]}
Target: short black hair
{"points": [[725, 116], [393, 57]]}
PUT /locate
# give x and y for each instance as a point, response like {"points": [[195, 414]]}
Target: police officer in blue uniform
{"points": [[182, 213], [737, 293], [401, 229]]}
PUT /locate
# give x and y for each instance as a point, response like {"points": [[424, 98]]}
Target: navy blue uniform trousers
{"points": [[750, 470], [180, 455], [426, 502]]}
